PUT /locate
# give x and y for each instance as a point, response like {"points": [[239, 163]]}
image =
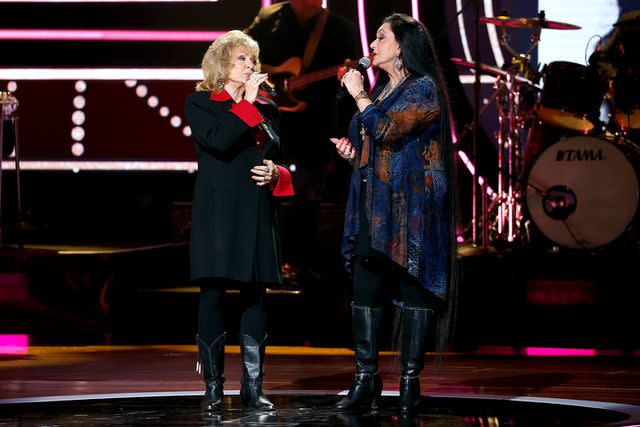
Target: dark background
{"points": [[130, 281]]}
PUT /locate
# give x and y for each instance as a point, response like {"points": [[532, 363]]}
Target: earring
{"points": [[397, 64], [220, 83]]}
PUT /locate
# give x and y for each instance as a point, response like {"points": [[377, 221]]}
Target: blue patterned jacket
{"points": [[406, 182]]}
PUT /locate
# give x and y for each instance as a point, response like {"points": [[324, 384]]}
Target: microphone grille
{"points": [[365, 62]]}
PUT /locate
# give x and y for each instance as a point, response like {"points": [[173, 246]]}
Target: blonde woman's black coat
{"points": [[234, 232]]}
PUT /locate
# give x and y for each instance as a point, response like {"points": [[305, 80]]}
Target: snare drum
{"points": [[571, 96], [582, 191]]}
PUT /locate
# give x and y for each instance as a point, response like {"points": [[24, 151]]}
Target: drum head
{"points": [[582, 192], [566, 119]]}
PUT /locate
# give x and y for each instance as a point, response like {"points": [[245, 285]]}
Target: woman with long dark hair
{"points": [[399, 230]]}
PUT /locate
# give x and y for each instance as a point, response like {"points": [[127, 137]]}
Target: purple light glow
{"points": [[415, 10], [76, 165], [100, 74], [467, 162], [362, 23], [103, 1], [14, 344], [554, 351], [503, 350], [109, 35]]}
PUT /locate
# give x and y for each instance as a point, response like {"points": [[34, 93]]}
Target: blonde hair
{"points": [[215, 63]]}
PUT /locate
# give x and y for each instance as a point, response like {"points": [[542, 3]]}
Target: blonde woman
{"points": [[234, 233]]}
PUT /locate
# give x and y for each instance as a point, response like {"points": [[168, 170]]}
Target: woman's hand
{"points": [[353, 80], [267, 174], [252, 86], [345, 149]]}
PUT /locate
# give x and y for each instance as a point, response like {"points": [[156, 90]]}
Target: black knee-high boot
{"points": [[212, 359], [252, 361], [366, 389], [414, 330]]}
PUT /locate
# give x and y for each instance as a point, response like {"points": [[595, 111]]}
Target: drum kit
{"points": [[560, 166]]}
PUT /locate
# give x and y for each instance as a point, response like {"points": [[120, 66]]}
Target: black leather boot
{"points": [[414, 330], [366, 389], [212, 360], [252, 361]]}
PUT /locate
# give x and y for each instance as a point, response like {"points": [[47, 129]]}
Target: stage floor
{"points": [[135, 385]]}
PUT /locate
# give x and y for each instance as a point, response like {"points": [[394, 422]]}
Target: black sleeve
{"points": [[272, 114], [216, 127]]}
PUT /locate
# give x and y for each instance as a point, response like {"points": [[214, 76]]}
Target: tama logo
{"points": [[579, 155]]}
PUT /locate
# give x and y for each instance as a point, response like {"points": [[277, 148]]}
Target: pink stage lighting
{"points": [[14, 344], [109, 35]]}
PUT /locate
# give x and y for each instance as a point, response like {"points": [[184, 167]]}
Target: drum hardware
{"points": [[513, 116], [494, 71], [582, 191], [515, 85], [538, 23], [9, 113], [580, 188], [510, 90]]}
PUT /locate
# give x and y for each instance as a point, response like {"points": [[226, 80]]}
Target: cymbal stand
{"points": [[512, 122]]}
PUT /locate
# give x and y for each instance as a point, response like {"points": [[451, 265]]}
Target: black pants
{"points": [[253, 319], [376, 278], [375, 283]]}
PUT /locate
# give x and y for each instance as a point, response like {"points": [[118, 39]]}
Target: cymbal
{"points": [[492, 70], [506, 21]]}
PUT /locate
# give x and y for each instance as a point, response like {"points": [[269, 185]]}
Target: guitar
{"points": [[287, 80]]}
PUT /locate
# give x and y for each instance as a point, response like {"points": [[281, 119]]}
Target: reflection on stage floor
{"points": [[136, 385]]}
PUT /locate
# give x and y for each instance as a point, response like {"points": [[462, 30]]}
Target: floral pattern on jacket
{"points": [[406, 185]]}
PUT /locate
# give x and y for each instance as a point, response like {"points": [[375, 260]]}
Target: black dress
{"points": [[234, 233]]}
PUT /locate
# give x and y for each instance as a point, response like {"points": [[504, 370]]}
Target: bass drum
{"points": [[582, 192]]}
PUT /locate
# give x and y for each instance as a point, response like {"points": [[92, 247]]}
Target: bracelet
{"points": [[362, 95]]}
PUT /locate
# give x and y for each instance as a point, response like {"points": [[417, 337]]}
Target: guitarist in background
{"points": [[299, 39]]}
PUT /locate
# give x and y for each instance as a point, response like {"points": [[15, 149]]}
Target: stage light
{"points": [[81, 86], [79, 102], [77, 133], [78, 117], [176, 121], [77, 149], [142, 91], [14, 344], [164, 111], [152, 101]]}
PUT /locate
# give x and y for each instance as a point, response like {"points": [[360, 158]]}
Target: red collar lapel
{"points": [[220, 97]]}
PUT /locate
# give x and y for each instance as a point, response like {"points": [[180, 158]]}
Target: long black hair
{"points": [[418, 55]]}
